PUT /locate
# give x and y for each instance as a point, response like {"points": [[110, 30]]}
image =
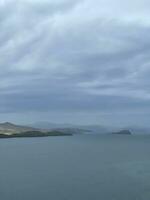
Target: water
{"points": [[86, 167]]}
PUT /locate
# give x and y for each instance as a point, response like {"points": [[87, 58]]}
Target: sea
{"points": [[81, 167]]}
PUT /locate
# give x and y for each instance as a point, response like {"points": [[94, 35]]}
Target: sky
{"points": [[75, 61]]}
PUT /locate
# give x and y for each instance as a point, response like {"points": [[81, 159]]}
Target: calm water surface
{"points": [[86, 167]]}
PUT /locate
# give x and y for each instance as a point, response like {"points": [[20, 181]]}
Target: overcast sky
{"points": [[75, 61]]}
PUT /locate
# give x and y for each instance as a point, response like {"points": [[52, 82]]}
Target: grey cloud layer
{"points": [[74, 56]]}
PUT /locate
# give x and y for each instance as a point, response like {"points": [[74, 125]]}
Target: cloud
{"points": [[74, 56]]}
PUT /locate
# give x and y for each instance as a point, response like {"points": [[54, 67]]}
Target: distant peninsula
{"points": [[9, 130], [34, 134]]}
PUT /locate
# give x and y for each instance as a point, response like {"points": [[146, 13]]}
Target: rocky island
{"points": [[123, 132]]}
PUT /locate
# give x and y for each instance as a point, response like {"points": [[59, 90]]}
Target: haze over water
{"points": [[87, 167]]}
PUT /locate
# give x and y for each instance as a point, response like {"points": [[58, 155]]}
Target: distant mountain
{"points": [[93, 129], [96, 129], [72, 130], [49, 125]]}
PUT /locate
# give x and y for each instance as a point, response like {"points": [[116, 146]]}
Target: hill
{"points": [[9, 130]]}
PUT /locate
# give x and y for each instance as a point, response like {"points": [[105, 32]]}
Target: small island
{"points": [[123, 132]]}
